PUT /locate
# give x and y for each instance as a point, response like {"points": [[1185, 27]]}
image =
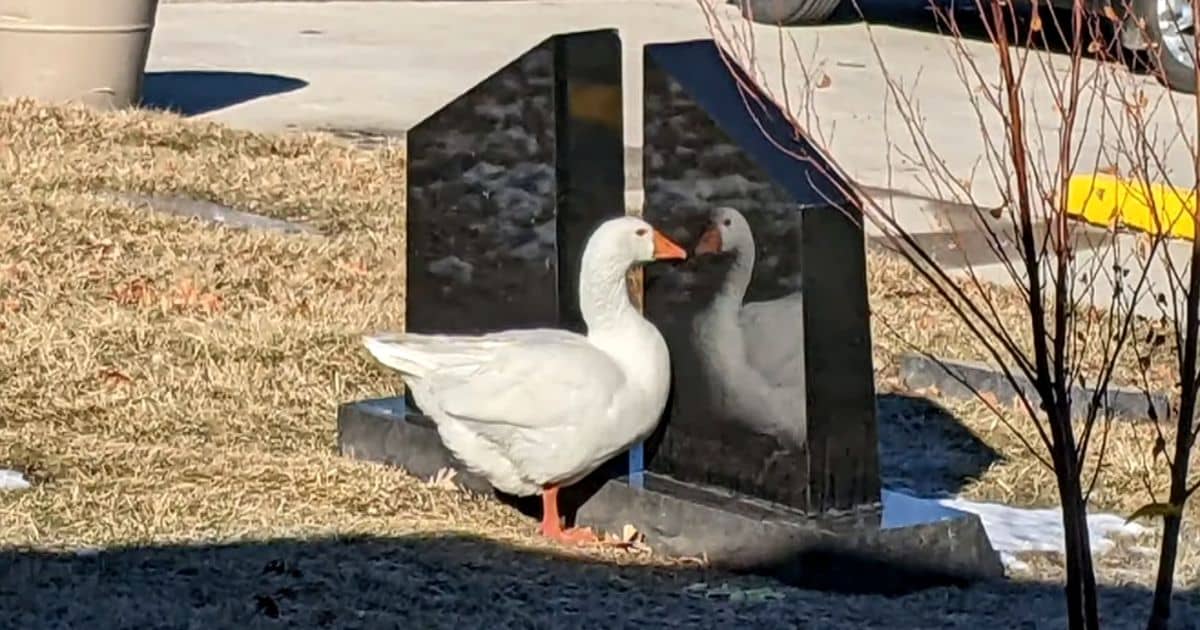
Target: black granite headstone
{"points": [[766, 458], [506, 183], [504, 186], [502, 192], [773, 388]]}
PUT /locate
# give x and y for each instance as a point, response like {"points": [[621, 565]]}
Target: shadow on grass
{"points": [[193, 92], [455, 581], [924, 449]]}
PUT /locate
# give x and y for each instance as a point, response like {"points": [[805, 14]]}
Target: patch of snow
{"points": [[1011, 530], [12, 480], [902, 510]]}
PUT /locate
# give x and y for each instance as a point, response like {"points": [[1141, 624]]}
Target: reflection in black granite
{"points": [[590, 152], [506, 183], [481, 231], [773, 389], [751, 358]]}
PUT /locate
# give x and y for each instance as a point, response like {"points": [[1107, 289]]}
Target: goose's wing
{"points": [[532, 400], [773, 332], [528, 380]]}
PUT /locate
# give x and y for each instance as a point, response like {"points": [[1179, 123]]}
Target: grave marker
{"points": [[767, 458], [772, 337], [505, 184]]}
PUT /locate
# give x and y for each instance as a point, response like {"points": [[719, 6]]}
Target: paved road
{"points": [[383, 66]]}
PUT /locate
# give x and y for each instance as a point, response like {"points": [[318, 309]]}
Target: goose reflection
{"points": [[751, 355]]}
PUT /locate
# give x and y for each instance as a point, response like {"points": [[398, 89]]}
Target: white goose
{"points": [[751, 353], [535, 410]]}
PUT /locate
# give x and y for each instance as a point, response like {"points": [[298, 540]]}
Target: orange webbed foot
{"points": [[573, 535]]}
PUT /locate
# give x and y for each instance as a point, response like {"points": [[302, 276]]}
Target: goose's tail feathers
{"points": [[397, 351], [416, 355]]}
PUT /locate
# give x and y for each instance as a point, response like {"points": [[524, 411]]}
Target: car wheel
{"points": [[1171, 31], [788, 12]]}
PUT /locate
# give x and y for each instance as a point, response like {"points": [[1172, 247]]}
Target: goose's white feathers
{"points": [[534, 408]]}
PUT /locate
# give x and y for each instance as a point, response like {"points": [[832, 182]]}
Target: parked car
{"points": [[1169, 28]]}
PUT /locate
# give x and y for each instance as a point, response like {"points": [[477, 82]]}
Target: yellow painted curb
{"points": [[1107, 200]]}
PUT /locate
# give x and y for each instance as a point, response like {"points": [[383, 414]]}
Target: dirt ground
{"points": [[170, 386]]}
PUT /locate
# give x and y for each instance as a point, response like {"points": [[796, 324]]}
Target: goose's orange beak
{"points": [[666, 249], [710, 241]]}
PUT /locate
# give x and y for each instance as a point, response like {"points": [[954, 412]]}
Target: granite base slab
{"points": [[869, 551]]}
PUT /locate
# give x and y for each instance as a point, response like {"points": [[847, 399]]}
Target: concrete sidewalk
{"points": [[385, 66], [380, 67]]}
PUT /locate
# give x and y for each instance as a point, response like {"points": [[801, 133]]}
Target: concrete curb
{"points": [[955, 380], [214, 213]]}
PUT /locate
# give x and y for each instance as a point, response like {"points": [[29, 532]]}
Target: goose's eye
{"points": [[728, 222], [641, 232]]}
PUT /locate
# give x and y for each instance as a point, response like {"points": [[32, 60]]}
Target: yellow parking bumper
{"points": [[1107, 200]]}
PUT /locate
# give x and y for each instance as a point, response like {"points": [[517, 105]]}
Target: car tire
{"points": [[788, 12], [1164, 49]]}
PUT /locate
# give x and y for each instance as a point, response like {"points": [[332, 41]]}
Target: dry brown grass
{"points": [[165, 380], [909, 315]]}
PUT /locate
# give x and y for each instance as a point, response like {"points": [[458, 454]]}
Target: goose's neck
{"points": [[737, 280], [604, 295]]}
